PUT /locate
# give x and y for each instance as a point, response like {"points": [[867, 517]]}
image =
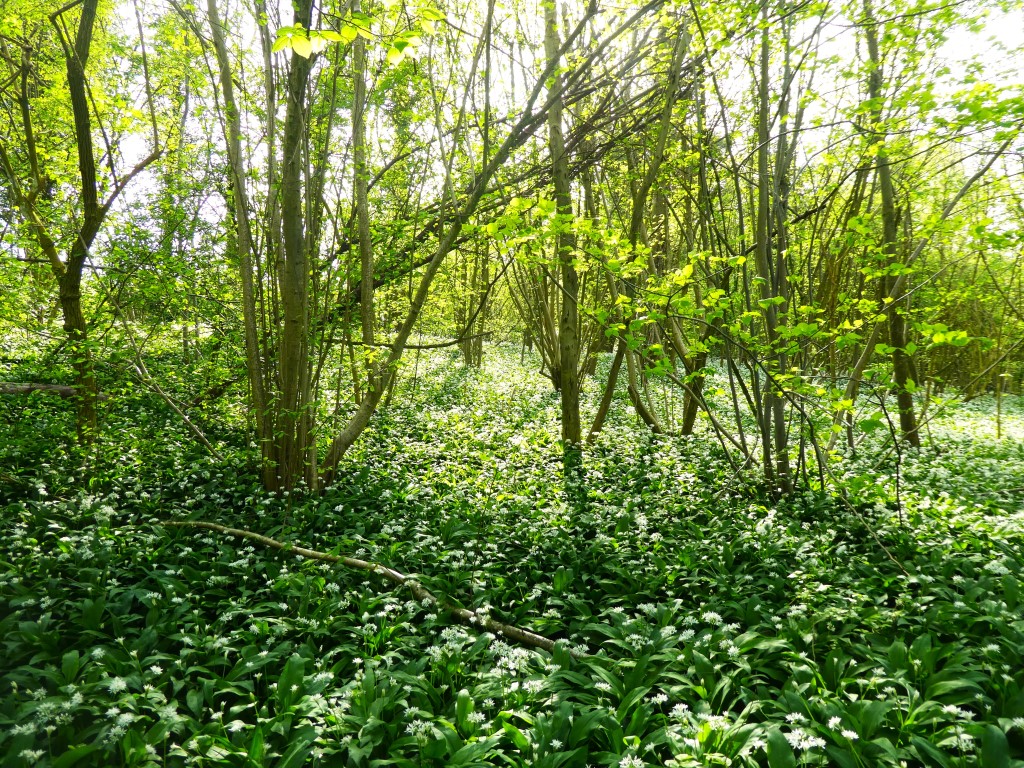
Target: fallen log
{"points": [[420, 592], [25, 388]]}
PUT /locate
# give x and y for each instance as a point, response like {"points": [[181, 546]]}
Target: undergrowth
{"points": [[699, 621]]}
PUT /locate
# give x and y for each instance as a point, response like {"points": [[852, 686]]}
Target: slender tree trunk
{"points": [[890, 236], [694, 394], [565, 247], [691, 401], [293, 426], [483, 299], [243, 246], [608, 394], [70, 281], [772, 287], [360, 182], [869, 345]]}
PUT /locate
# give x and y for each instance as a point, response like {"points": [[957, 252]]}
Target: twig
{"points": [[420, 592]]}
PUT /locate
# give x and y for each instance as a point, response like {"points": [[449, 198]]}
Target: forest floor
{"points": [[700, 621]]}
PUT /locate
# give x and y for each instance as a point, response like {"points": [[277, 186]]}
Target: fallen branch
{"points": [[420, 592], [22, 388]]}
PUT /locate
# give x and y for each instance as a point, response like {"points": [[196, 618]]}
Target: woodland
{"points": [[527, 383]]}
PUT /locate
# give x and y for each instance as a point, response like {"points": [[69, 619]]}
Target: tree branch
{"points": [[420, 592]]}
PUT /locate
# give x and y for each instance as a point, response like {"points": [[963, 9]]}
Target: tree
{"points": [[30, 177], [285, 375], [890, 233]]}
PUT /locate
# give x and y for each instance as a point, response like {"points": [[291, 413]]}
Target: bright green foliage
{"points": [[307, 42]]}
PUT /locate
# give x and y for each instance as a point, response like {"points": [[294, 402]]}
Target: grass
{"points": [[710, 625]]}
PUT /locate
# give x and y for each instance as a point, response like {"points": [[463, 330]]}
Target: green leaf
{"points": [[92, 613], [1011, 591], [584, 724], [869, 715], [257, 746], [930, 754], [898, 654], [995, 750], [317, 42], [302, 46], [395, 56], [463, 709], [563, 578], [871, 424], [965, 689], [517, 736], [291, 678], [73, 755], [194, 700], [841, 757], [705, 669], [301, 746], [70, 665], [561, 656], [630, 700], [470, 753], [780, 754]]}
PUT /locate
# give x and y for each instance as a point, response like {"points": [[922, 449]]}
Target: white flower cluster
{"points": [[512, 660], [800, 740]]}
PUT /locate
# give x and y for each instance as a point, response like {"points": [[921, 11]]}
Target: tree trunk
{"points": [[70, 279], [70, 287], [691, 400], [360, 185], [565, 247], [890, 235], [776, 446], [293, 409], [242, 237]]}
